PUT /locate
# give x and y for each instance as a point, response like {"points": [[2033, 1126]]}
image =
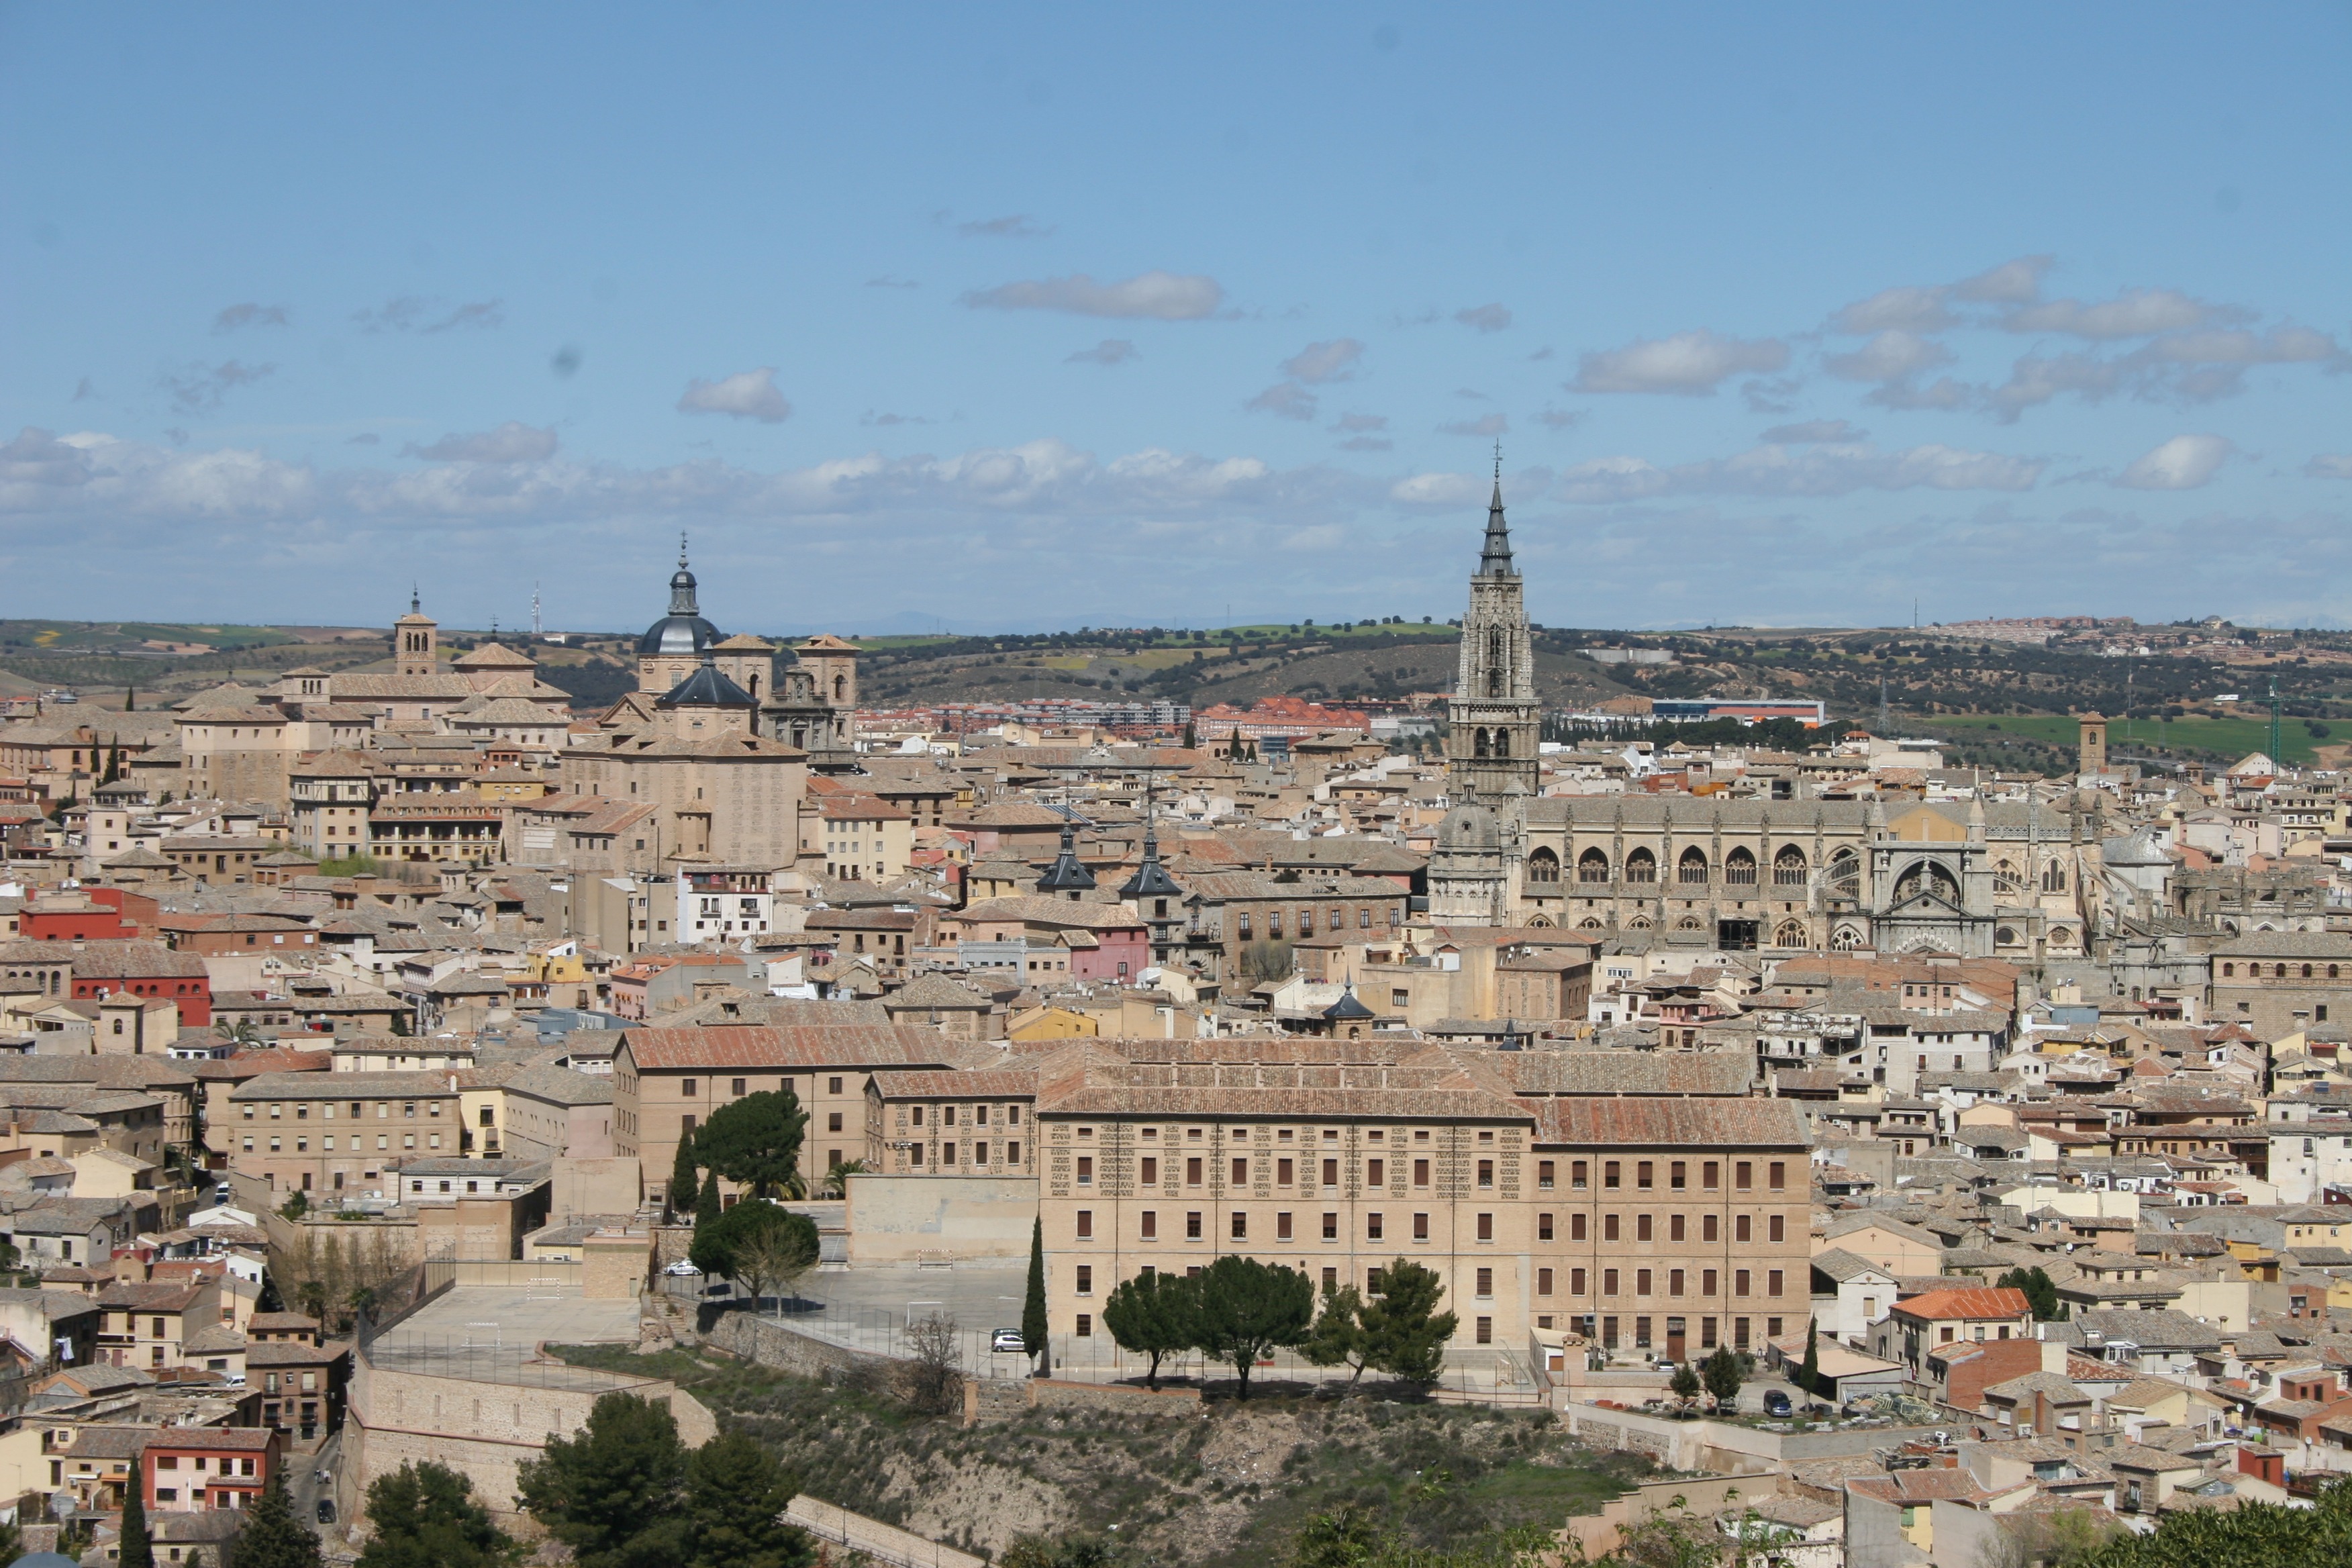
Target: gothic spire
{"points": [[1495, 559]]}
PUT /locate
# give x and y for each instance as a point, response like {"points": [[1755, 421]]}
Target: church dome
{"points": [[1470, 827], [683, 630]]}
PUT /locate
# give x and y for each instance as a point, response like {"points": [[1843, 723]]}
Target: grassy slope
{"points": [[1226, 1492]]}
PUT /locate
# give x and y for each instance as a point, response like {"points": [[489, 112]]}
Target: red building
{"points": [[92, 914], [189, 1468], [146, 969]]}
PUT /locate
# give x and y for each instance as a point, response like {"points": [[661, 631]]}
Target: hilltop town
{"points": [[361, 1030]]}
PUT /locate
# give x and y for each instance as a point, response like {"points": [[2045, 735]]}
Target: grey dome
{"points": [[1470, 827], [683, 630]]}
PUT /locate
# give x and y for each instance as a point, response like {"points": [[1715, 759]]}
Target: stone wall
{"points": [[772, 1343], [1049, 1393], [917, 1219]]}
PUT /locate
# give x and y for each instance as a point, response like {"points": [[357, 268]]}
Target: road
{"points": [[304, 1488]]}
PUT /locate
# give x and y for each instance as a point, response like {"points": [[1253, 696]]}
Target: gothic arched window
{"points": [[1592, 865], [1845, 874], [1543, 866], [1739, 868], [1692, 867], [1641, 865], [1502, 742], [1494, 661], [1789, 867], [2053, 878], [1791, 934], [1478, 742]]}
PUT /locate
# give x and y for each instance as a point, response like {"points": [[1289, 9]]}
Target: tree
{"points": [[756, 1243], [2038, 1289], [1684, 1383], [1809, 1377], [681, 1177], [425, 1516], [735, 1490], [836, 1177], [296, 1206], [1723, 1376], [1404, 1333], [755, 1142], [1154, 1315], [1032, 1305], [1248, 1308], [613, 1493], [272, 1536], [707, 1205], [2252, 1535], [137, 1550], [934, 1372], [1338, 1337], [1345, 1539]]}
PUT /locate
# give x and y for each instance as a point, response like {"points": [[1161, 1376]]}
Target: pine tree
{"points": [[1809, 1377], [273, 1537], [424, 1515], [612, 1492], [1033, 1305], [137, 1550], [735, 1492]]}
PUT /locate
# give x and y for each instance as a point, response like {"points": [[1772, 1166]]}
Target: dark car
{"points": [[1775, 1403], [325, 1510]]}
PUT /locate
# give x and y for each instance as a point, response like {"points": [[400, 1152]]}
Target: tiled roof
{"points": [[342, 1086], [1695, 1122], [1993, 1302], [856, 1045]]}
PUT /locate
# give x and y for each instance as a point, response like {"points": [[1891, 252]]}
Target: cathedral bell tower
{"points": [[1490, 752]]}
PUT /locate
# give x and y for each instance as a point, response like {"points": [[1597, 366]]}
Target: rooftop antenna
{"points": [[1499, 460]]}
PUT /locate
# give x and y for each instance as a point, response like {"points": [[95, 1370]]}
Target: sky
{"points": [[1019, 317]]}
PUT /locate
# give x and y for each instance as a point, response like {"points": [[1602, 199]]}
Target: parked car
{"points": [[325, 1510], [1007, 1342], [1776, 1403], [682, 1269]]}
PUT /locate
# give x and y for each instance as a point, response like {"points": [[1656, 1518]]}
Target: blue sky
{"points": [[1026, 316]]}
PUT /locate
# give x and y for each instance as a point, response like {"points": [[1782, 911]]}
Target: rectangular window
{"points": [[1376, 1172], [1741, 1228], [1485, 1330], [1486, 1284], [1421, 1227], [1085, 1326], [1739, 1334], [1282, 1226], [1609, 1281], [1709, 1176], [1148, 1224], [1576, 1282], [1241, 1226], [1486, 1173], [1241, 1172], [1086, 1279], [1576, 1227], [1642, 1333], [832, 1121], [1012, 1153], [1330, 1227], [1642, 1227], [1192, 1224], [1150, 1169], [1192, 1171], [1609, 1331], [1609, 1227], [1706, 1281], [1642, 1175], [1674, 1278], [1577, 1174], [1285, 1172], [1371, 1227], [1772, 1278], [1330, 1172], [1641, 1282], [1775, 1228], [1676, 1175], [1486, 1228], [1780, 1173], [946, 1153], [1743, 1176], [1543, 1281], [1610, 1180], [739, 1086], [1085, 1225], [1706, 1333], [1675, 1228], [1421, 1173], [685, 1087], [1543, 1228], [1709, 1229], [1741, 1281]]}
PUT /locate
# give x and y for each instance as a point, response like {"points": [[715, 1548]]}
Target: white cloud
{"points": [[250, 315], [746, 394], [1810, 430], [1111, 350], [201, 388], [1448, 490], [1318, 362], [2036, 379], [2136, 313], [2011, 283], [512, 442], [1016, 225], [2183, 463], [411, 313], [1287, 398], [1894, 354], [1904, 310], [1491, 425], [1822, 469], [1691, 365], [37, 457], [1486, 318], [2330, 466], [1162, 296]]}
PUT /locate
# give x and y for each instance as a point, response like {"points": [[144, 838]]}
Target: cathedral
{"points": [[2013, 880]]}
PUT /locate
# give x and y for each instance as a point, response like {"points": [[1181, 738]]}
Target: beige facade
{"points": [[331, 1132], [733, 798]]}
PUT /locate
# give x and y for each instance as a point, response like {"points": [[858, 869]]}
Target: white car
{"points": [[683, 1270]]}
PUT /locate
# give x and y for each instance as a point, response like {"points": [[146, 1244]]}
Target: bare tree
{"points": [[774, 1258], [934, 1373]]}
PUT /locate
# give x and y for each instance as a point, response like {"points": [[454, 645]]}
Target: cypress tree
{"points": [[681, 1176], [707, 1206], [1809, 1377], [1033, 1309], [138, 1550]]}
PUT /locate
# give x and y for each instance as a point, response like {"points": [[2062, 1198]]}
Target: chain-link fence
{"points": [[478, 1353]]}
